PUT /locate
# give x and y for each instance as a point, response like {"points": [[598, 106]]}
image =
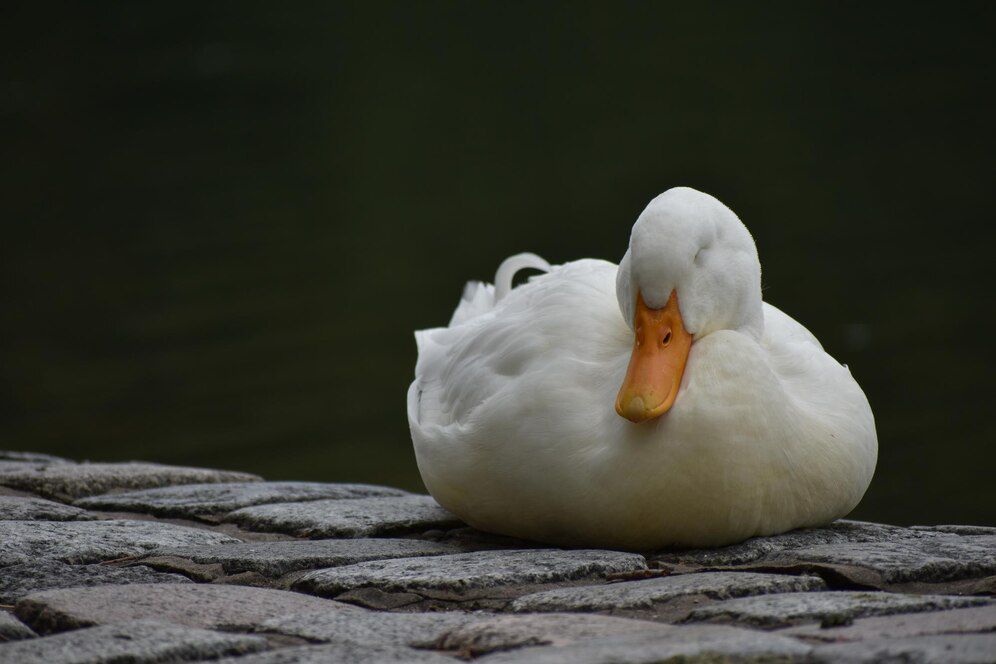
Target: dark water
{"points": [[222, 223]]}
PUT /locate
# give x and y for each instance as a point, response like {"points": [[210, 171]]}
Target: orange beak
{"points": [[660, 352]]}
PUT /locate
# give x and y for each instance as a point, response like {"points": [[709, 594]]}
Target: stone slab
{"points": [[71, 481], [926, 560], [946, 649], [137, 642], [487, 635], [955, 529], [274, 559], [20, 466], [208, 606], [829, 608], [12, 629], [207, 501], [702, 643], [856, 554], [48, 552], [344, 653], [470, 574], [956, 621], [648, 594], [36, 457], [369, 627], [758, 548], [24, 508], [93, 541], [463, 634], [362, 517], [17, 581]]}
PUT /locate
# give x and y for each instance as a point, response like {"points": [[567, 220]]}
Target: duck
{"points": [[657, 403]]}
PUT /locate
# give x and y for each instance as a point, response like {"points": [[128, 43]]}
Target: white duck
{"points": [[734, 421]]}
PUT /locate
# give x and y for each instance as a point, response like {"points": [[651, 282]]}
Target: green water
{"points": [[222, 223]]}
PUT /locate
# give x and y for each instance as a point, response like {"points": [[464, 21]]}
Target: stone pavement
{"points": [[139, 562]]}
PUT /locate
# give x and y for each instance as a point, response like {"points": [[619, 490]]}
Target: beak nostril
{"points": [[667, 338]]}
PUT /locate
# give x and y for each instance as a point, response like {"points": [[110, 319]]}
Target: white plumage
{"points": [[512, 417]]}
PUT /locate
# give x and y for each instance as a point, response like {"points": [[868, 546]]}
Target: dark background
{"points": [[222, 223]]}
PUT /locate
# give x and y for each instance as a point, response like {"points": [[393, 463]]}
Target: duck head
{"points": [[691, 269]]}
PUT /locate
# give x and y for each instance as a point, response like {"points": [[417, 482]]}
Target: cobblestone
{"points": [[156, 563]]}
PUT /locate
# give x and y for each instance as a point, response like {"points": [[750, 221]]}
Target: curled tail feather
{"points": [[479, 297], [511, 265]]}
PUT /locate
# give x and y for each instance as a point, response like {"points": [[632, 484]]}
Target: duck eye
{"points": [[667, 338]]}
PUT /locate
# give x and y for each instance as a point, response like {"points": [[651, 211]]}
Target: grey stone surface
{"points": [[69, 481], [488, 635], [19, 466], [12, 629], [214, 500], [831, 608], [958, 529], [194, 605], [369, 627], [460, 633], [764, 599], [758, 548], [465, 573], [137, 642], [93, 541], [928, 560], [962, 649], [24, 508], [645, 594], [274, 559], [955, 621], [679, 644], [17, 581], [344, 653], [862, 554], [36, 457], [362, 517]]}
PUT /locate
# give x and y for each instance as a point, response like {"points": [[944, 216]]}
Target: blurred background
{"points": [[223, 221]]}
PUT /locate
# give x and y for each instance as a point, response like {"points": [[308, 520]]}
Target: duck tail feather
{"points": [[511, 265], [477, 299]]}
